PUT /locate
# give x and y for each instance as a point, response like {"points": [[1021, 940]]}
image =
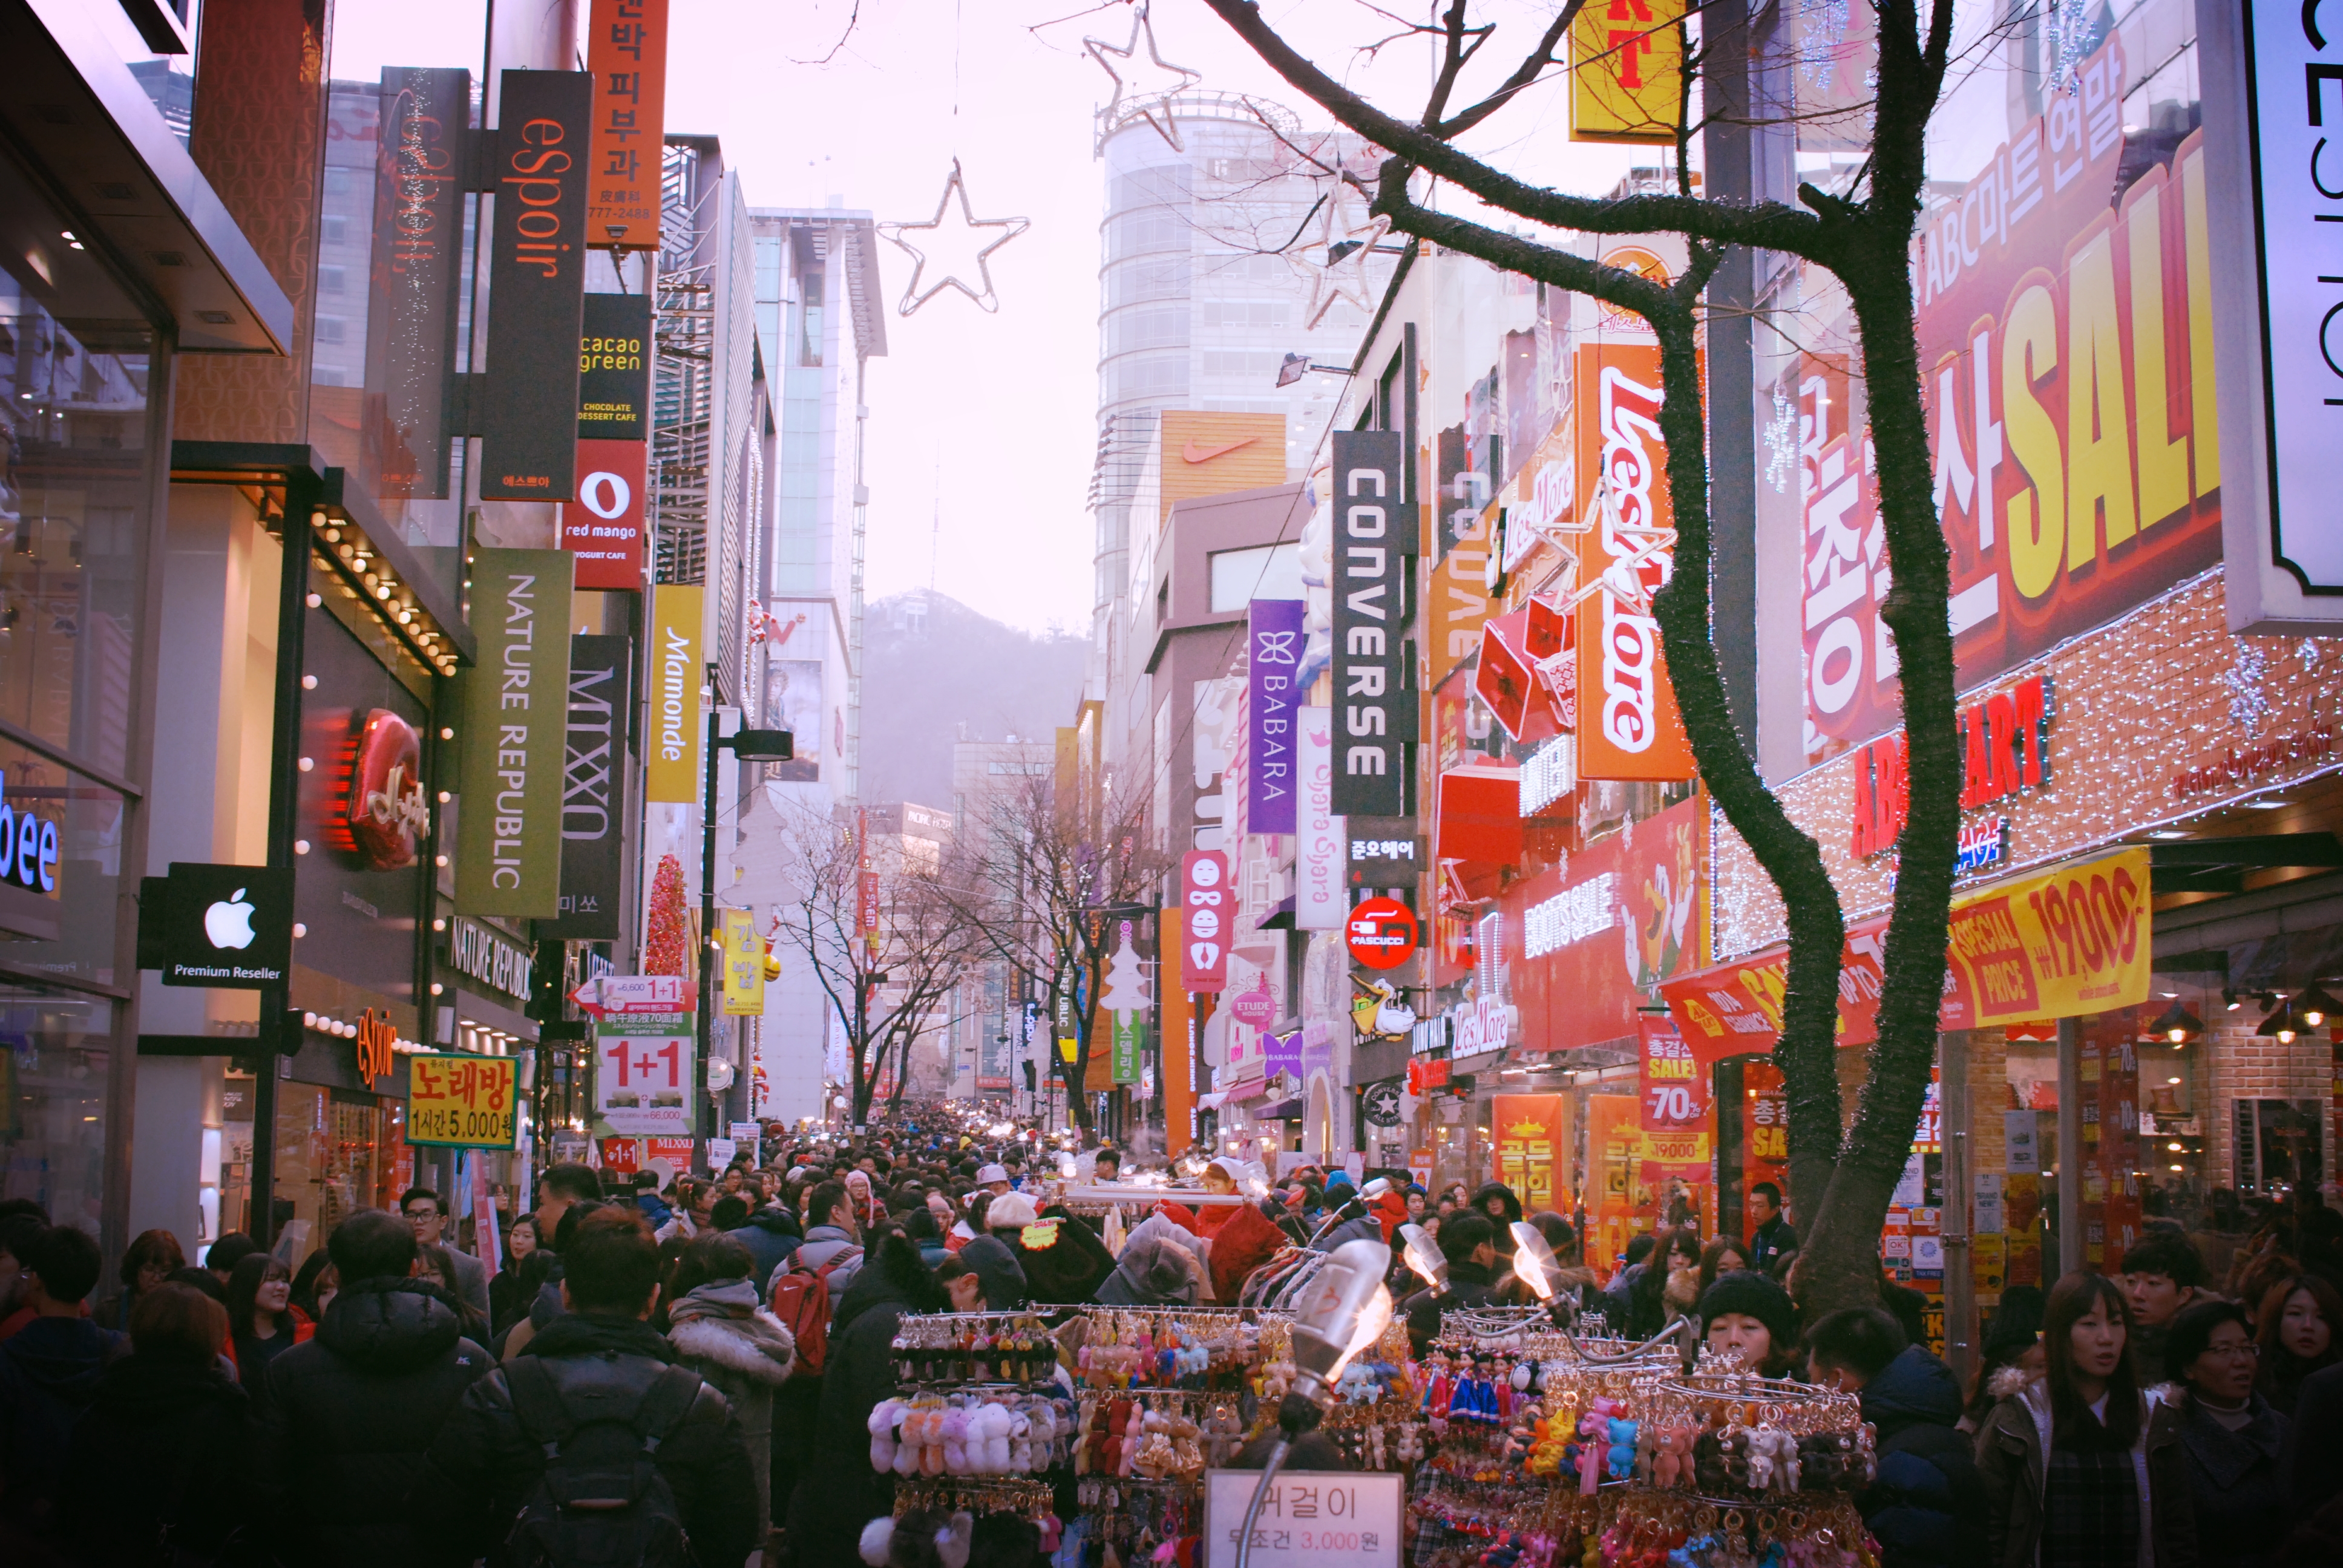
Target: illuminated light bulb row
{"points": [[377, 579]]}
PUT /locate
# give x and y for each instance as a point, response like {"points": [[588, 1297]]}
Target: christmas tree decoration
{"points": [[667, 939], [1157, 113], [1125, 991], [914, 296]]}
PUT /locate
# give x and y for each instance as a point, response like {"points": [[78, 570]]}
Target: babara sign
{"points": [[2066, 942], [1628, 724], [2068, 338], [462, 1101], [1206, 908], [1626, 71], [2005, 748], [1272, 647]]}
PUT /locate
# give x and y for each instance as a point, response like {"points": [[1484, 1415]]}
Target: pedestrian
{"points": [[1748, 1314], [2080, 1470], [506, 1301], [837, 1492], [832, 1239], [439, 1267], [772, 1235], [1153, 1271], [263, 1323], [1771, 1236], [166, 1418], [49, 1374], [152, 1257], [2011, 1356], [348, 1416], [1468, 1243], [721, 1329], [22, 1220], [1723, 1255], [593, 1391], [1662, 1286], [2162, 1273], [920, 1226], [222, 1256], [2313, 1460], [2298, 1319], [983, 1277], [428, 1213], [2230, 1434], [1927, 1506]]}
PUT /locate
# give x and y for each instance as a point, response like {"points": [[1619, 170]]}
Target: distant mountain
{"points": [[932, 665]]}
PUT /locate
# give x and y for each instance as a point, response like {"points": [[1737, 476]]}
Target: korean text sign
{"points": [[1325, 1520], [1626, 71], [1532, 1138], [462, 1101], [626, 50], [644, 1074]]}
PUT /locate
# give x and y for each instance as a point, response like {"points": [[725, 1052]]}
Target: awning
{"points": [[1283, 1110], [1279, 917], [1239, 1093], [1212, 1102]]}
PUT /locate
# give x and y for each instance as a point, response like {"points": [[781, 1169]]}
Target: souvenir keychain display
{"points": [[948, 1348]]}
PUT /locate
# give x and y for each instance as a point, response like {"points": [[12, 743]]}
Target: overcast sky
{"points": [[988, 421]]}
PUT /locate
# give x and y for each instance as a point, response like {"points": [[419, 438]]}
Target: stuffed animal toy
{"points": [[955, 1432], [919, 1539], [883, 1417], [1623, 1448], [913, 1432], [990, 1429], [1593, 1428]]}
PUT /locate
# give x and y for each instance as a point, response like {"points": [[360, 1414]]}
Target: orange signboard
{"points": [[1628, 726], [626, 50], [1532, 1138]]}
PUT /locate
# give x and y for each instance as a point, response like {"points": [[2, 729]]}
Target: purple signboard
{"points": [[1273, 776], [1284, 1053]]}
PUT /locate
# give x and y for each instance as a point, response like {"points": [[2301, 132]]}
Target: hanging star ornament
{"points": [[1157, 113], [914, 296], [1334, 260]]}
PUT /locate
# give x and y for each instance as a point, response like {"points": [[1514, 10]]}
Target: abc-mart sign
{"points": [[2272, 76]]}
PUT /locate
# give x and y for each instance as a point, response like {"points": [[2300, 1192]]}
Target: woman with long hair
{"points": [[506, 1303], [1668, 1284], [721, 1330], [263, 1323], [2299, 1316], [152, 1257], [2081, 1469], [441, 1262], [1723, 1255]]}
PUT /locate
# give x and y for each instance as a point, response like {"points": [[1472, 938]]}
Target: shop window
{"points": [[54, 1058]]}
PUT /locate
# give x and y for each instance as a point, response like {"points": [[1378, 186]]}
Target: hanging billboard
{"points": [[536, 287], [1374, 540], [671, 749], [594, 790], [412, 281], [1272, 649], [516, 726]]}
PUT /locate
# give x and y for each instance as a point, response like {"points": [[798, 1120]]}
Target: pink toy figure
{"points": [[1593, 1434]]}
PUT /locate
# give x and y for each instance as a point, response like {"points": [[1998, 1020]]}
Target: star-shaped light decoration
{"points": [[1157, 113], [1334, 259], [914, 296]]}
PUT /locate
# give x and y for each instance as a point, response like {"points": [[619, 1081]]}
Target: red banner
{"points": [[1765, 1132], [1531, 1134], [1208, 907], [1735, 1008], [603, 527], [626, 48], [1675, 1083]]}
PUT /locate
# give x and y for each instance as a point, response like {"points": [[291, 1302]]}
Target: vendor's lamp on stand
{"points": [[1536, 1266], [1344, 1309], [1424, 1255]]}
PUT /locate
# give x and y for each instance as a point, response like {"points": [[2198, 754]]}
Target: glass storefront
{"points": [[55, 1049]]}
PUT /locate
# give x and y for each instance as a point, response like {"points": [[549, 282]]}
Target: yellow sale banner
{"points": [[2061, 943], [462, 1101], [744, 965], [1626, 71]]}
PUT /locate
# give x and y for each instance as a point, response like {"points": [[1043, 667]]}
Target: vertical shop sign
{"points": [[744, 964], [1273, 776], [626, 54], [1531, 1134], [1374, 539], [1628, 724], [515, 724], [603, 527], [1614, 1145], [411, 285], [614, 369], [1626, 71], [1208, 914], [1318, 859], [537, 288], [671, 749], [594, 789], [1130, 1040]]}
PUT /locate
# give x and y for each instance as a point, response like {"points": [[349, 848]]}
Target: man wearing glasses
{"points": [[429, 1216]]}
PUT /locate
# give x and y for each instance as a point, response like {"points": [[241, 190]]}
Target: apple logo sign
{"points": [[228, 923]]}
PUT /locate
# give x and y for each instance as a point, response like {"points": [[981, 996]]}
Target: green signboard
{"points": [[515, 717], [1129, 1039]]}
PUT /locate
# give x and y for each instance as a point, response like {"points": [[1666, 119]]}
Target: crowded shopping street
{"points": [[885, 784]]}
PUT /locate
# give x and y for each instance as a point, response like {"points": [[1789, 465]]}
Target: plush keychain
{"points": [[883, 1417]]}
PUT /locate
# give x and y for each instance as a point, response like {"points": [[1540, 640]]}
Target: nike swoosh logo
{"points": [[1193, 453]]}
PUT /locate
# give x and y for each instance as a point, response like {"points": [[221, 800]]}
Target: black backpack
{"points": [[601, 1501]]}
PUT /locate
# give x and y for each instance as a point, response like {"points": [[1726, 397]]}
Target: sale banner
{"points": [[644, 1074], [1530, 1135], [1765, 1132], [1675, 1083], [1685, 1156], [2068, 942], [1615, 1147], [1628, 724], [461, 1101]]}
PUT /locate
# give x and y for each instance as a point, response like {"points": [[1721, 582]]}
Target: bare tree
{"points": [[1046, 883], [883, 980], [1842, 1176]]}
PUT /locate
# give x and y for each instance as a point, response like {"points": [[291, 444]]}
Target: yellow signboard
{"points": [[744, 965], [1626, 71], [2062, 943], [462, 1101], [671, 749]]}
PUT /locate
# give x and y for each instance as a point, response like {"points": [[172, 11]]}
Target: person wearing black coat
{"points": [[1467, 1241], [1927, 1506], [169, 1419], [348, 1416], [2312, 1461], [2230, 1435], [837, 1491], [772, 1237], [601, 1355]]}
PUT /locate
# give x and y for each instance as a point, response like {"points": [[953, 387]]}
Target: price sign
{"points": [[462, 1101], [720, 1153], [1326, 1519], [643, 1074]]}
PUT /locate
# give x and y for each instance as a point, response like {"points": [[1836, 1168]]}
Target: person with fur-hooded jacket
{"points": [[2082, 1470], [721, 1330]]}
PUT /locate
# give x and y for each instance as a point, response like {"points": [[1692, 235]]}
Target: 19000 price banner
{"points": [[462, 1101]]}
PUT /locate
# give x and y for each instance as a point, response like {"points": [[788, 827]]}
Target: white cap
{"points": [[988, 1174], [1010, 1209]]}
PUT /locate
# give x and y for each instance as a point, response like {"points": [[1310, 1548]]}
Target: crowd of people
{"points": [[700, 1360]]}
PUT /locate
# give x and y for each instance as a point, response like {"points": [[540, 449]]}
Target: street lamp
{"points": [[746, 746]]}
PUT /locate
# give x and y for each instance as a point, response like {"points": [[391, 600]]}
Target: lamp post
{"points": [[746, 746]]}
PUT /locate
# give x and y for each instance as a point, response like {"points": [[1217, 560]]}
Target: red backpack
{"points": [[801, 1300]]}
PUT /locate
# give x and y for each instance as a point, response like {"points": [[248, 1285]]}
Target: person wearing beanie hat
{"points": [[1745, 1312]]}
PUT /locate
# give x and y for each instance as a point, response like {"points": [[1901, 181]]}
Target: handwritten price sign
{"points": [[462, 1101]]}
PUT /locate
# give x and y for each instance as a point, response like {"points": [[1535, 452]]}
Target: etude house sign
{"points": [[516, 712]]}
